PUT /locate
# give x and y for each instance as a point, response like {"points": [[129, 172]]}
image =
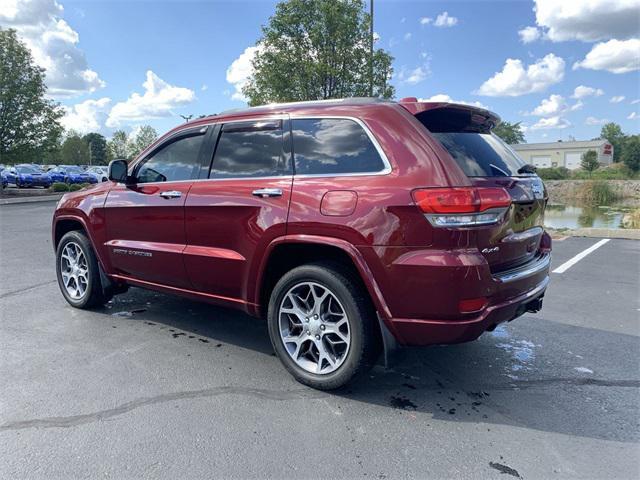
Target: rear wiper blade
{"points": [[527, 168]]}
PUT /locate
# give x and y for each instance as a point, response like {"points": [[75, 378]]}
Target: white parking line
{"points": [[570, 263]]}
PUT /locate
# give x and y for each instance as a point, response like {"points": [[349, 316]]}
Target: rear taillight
{"points": [[462, 206]]}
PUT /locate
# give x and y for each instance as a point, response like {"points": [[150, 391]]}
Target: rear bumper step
{"points": [[529, 269]]}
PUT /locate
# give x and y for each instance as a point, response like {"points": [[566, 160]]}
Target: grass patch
{"points": [[598, 192]]}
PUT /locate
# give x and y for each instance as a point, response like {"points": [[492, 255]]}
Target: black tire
{"points": [[93, 295], [365, 343]]}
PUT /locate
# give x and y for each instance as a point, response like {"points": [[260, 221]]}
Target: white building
{"points": [[563, 154]]}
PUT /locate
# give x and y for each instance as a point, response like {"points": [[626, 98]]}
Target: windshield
{"points": [[74, 170], [481, 154], [27, 169]]}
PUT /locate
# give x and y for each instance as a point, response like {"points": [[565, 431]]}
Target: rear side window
{"points": [[249, 149], [327, 146], [179, 160], [466, 135]]}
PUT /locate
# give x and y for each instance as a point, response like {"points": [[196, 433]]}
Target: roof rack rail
{"points": [[359, 100]]}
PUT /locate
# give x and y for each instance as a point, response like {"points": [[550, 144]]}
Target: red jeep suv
{"points": [[352, 225]]}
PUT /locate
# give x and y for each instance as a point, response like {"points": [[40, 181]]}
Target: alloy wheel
{"points": [[74, 270], [314, 328]]}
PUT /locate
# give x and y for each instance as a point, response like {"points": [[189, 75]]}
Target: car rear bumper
{"points": [[424, 292], [419, 332]]}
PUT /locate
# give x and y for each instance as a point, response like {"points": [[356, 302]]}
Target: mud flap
{"points": [[389, 343]]}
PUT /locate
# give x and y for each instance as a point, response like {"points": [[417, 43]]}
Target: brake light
{"points": [[462, 206]]}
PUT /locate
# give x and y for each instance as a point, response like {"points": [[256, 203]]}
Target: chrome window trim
{"points": [[387, 165], [385, 171]]}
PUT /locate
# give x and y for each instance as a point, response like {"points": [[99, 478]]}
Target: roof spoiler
{"points": [[477, 118]]}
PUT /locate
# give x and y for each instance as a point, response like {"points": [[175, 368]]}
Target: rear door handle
{"points": [[267, 192], [171, 194]]}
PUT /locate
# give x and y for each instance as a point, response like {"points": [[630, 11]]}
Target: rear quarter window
{"points": [[330, 146]]}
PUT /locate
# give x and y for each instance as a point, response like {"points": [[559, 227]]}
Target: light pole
{"points": [[371, 51], [187, 117]]}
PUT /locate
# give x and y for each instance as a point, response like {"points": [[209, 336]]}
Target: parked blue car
{"points": [[71, 174], [24, 176]]}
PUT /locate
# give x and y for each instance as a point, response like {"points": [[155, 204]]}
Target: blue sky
{"points": [[120, 64]]}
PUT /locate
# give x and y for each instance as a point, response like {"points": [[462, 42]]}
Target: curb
{"points": [[613, 233], [39, 198]]}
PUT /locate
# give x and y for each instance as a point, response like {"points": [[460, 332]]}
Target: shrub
{"points": [[615, 171], [555, 173], [74, 187], [598, 192], [60, 187]]}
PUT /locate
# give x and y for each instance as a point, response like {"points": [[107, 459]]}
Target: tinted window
{"points": [[179, 160], [27, 169], [481, 154], [328, 146], [249, 149]]}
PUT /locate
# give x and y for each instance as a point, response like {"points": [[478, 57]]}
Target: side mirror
{"points": [[118, 171]]}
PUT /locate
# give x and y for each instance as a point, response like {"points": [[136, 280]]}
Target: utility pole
{"points": [[371, 51]]}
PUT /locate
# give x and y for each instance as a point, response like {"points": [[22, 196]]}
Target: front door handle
{"points": [[171, 194], [267, 192]]}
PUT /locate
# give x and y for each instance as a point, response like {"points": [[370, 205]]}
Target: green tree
{"points": [[144, 137], [75, 150], [29, 122], [589, 161], [317, 49], [631, 153], [616, 137], [510, 132], [118, 145], [98, 148]]}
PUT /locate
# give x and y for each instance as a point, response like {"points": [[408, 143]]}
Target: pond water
{"points": [[585, 216]]}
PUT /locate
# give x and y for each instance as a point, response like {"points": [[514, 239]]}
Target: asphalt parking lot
{"points": [[157, 386]]}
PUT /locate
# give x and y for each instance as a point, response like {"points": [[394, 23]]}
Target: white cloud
{"points": [[633, 116], [444, 20], [412, 76], [376, 37], [443, 97], [633, 102], [240, 70], [158, 101], [204, 87], [617, 99], [555, 122], [554, 105], [615, 56], [582, 91], [514, 80], [87, 116], [587, 20], [529, 34], [407, 36], [53, 44], [595, 121]]}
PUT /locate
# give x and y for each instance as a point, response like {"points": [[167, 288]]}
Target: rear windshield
{"points": [[481, 154], [466, 135]]}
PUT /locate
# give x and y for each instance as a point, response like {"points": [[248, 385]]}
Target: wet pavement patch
{"points": [[505, 469], [402, 403]]}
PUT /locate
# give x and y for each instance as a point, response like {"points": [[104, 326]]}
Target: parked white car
{"points": [[101, 173]]}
